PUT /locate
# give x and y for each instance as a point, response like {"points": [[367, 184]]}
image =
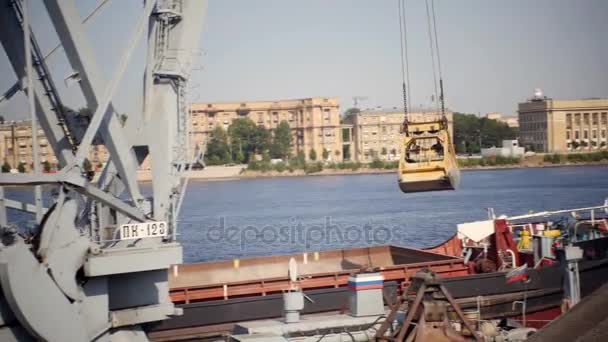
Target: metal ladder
{"points": [[45, 79]]}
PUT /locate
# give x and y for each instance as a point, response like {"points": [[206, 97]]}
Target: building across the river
{"points": [[314, 122], [557, 126], [511, 121], [375, 134], [16, 148]]}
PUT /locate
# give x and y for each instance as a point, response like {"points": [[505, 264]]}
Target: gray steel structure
{"points": [[72, 278]]}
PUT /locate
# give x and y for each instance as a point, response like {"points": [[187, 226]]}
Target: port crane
{"points": [[428, 158], [95, 265]]}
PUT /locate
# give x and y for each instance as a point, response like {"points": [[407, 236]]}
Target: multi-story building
{"points": [[314, 122], [554, 126], [375, 134], [16, 147], [511, 121]]}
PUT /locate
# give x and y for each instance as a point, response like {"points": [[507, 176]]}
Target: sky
{"points": [[493, 53]]}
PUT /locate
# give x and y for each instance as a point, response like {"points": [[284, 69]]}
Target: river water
{"points": [[230, 219], [265, 216]]}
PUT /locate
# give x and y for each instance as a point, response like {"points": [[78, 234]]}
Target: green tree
{"points": [[86, 165], [350, 112], [281, 141], [218, 151], [470, 130], [239, 157], [246, 137], [6, 167], [312, 154], [46, 166], [325, 154], [21, 167]]}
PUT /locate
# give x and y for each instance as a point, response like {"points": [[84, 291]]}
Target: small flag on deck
{"points": [[517, 274]]}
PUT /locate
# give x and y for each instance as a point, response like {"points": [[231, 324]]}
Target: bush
{"points": [[495, 161], [552, 158], [312, 154], [376, 164], [587, 157], [391, 165], [6, 167], [313, 167], [280, 167]]}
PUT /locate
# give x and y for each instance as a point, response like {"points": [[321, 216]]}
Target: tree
{"points": [[246, 137], [350, 112], [21, 167], [1, 119], [470, 130], [86, 165], [312, 154], [6, 167], [218, 151], [281, 141], [46, 166], [325, 154]]}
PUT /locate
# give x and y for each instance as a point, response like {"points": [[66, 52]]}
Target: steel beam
{"points": [[31, 105], [11, 34], [78, 184], [67, 22]]}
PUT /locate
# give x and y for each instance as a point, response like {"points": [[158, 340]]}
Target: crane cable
{"points": [[441, 94], [428, 17], [405, 70]]}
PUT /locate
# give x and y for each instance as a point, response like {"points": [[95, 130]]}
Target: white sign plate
{"points": [[133, 231]]}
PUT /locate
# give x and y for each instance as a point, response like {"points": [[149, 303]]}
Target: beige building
{"points": [[511, 121], [554, 126], [16, 147], [315, 122], [375, 134]]}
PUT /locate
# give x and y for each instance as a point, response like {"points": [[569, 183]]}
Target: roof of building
{"points": [[395, 110]]}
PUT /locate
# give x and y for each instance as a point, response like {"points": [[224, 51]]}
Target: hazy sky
{"points": [[494, 53]]}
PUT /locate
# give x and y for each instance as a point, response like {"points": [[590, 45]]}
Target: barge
{"points": [[216, 295]]}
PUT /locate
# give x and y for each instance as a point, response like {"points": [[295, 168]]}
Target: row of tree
{"points": [[471, 133], [6, 167], [244, 139]]}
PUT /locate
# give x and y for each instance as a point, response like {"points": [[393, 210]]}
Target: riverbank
{"points": [[225, 173]]}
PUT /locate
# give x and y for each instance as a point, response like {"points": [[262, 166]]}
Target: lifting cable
{"points": [[428, 18], [405, 69], [434, 18]]}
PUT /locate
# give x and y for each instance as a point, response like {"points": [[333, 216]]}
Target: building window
{"points": [[603, 134], [568, 135], [594, 118], [594, 134], [586, 118], [576, 135], [585, 134]]}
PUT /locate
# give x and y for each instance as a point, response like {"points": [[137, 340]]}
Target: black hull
{"points": [[544, 291]]}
